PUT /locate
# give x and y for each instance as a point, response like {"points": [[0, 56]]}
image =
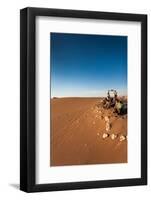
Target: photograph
{"points": [[83, 99], [88, 99]]}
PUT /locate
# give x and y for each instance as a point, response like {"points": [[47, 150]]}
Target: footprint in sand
{"points": [[77, 121]]}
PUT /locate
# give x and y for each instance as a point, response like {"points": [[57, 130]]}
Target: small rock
{"points": [[113, 136], [105, 135], [106, 118], [108, 126], [93, 122], [122, 138], [98, 134]]}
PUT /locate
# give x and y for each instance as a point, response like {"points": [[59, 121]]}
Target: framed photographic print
{"points": [[83, 99]]}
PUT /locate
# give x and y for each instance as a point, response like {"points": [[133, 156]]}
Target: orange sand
{"points": [[77, 126]]}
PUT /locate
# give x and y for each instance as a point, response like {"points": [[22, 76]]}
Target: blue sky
{"points": [[84, 65]]}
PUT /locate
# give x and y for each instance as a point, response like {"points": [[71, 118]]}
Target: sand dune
{"points": [[77, 128]]}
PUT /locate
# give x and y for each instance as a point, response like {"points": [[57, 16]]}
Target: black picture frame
{"points": [[28, 99]]}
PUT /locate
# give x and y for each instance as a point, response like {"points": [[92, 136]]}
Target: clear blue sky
{"points": [[87, 65]]}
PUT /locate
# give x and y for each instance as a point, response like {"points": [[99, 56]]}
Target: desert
{"points": [[83, 132]]}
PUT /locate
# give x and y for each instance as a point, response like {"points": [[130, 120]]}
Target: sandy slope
{"points": [[77, 126]]}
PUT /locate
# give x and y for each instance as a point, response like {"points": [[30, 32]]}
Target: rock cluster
{"points": [[113, 136]]}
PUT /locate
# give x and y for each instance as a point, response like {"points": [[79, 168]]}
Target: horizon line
{"points": [[84, 96]]}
